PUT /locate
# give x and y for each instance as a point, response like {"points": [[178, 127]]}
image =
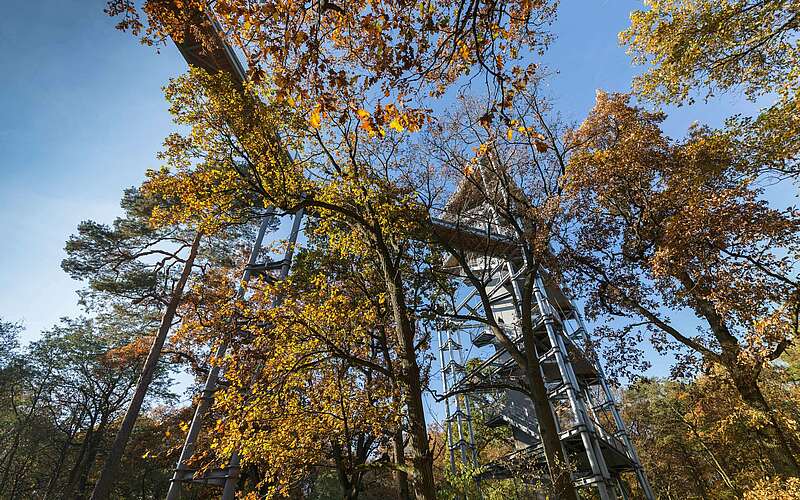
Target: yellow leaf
{"points": [[510, 134], [395, 124], [290, 100], [366, 122], [315, 118]]}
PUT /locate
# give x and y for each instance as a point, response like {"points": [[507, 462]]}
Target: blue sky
{"points": [[83, 117]]}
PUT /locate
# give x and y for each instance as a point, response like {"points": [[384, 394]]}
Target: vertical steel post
{"points": [[468, 410], [213, 374], [513, 277], [446, 389], [593, 453], [459, 414], [229, 491], [644, 483]]}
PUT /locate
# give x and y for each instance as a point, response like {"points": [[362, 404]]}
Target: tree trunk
{"points": [[529, 362], [548, 430], [400, 476], [104, 484], [62, 456], [348, 485], [422, 459], [72, 478], [88, 460], [751, 394], [398, 443]]}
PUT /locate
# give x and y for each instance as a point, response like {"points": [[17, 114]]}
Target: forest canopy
{"points": [[389, 267]]}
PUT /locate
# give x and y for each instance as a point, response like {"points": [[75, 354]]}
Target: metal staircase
{"points": [[592, 433]]}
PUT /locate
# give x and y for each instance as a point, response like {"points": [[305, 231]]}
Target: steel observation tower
{"points": [[593, 436]]}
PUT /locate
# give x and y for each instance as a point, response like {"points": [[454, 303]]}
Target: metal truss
{"points": [[268, 270], [458, 423], [593, 435]]}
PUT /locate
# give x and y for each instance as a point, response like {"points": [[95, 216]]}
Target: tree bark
{"points": [[349, 487], [400, 476], [751, 394], [422, 459], [72, 480], [548, 430], [107, 476], [88, 460]]}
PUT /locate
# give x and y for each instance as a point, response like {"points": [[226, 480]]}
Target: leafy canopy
{"points": [[716, 46], [392, 54], [680, 224]]}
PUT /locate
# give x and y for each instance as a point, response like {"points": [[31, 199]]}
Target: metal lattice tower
{"points": [[591, 431], [458, 423], [215, 55]]}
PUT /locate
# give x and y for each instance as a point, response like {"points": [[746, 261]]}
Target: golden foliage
{"points": [[332, 56], [715, 46], [304, 372], [698, 439], [774, 489], [690, 224]]}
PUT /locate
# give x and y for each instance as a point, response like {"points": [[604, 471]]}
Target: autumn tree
{"points": [[666, 426], [360, 282], [135, 263], [664, 226], [311, 377], [363, 185], [8, 342], [351, 184], [349, 79], [330, 56], [321, 343], [703, 441], [337, 85], [710, 46], [63, 401]]}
